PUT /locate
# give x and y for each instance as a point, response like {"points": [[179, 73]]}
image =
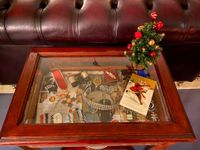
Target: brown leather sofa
{"points": [[36, 23]]}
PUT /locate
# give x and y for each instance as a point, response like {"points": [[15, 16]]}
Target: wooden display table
{"points": [[69, 97]]}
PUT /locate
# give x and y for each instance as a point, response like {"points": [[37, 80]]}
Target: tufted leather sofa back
{"points": [[34, 23], [94, 21]]}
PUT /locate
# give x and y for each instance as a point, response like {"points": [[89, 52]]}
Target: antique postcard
{"points": [[138, 94]]}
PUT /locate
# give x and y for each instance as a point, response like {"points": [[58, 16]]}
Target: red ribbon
{"points": [[59, 79]]}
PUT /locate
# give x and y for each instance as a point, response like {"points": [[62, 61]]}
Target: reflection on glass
{"points": [[86, 90]]}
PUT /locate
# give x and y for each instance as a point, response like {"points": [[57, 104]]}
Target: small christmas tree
{"points": [[144, 48]]}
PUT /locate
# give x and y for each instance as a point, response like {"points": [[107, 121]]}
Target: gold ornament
{"points": [[133, 43], [151, 42], [162, 35], [157, 47], [140, 27], [149, 63]]}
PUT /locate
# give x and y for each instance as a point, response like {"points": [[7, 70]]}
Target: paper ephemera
{"points": [[138, 94]]}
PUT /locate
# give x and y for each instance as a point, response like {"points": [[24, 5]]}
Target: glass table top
{"points": [[87, 90]]}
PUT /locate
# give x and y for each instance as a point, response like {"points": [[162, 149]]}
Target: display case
{"points": [[71, 97]]}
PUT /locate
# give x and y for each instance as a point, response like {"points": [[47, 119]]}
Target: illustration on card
{"points": [[138, 94]]}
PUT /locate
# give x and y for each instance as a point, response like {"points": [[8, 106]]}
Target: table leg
{"points": [[28, 148], [107, 148], [162, 146]]}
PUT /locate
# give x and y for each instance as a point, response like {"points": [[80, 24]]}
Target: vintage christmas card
{"points": [[138, 94]]}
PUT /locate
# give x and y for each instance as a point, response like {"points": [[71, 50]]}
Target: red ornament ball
{"points": [[138, 35], [153, 54], [159, 25]]}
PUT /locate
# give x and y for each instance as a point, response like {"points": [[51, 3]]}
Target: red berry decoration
{"points": [[138, 35], [159, 25], [153, 54], [129, 46], [153, 15]]}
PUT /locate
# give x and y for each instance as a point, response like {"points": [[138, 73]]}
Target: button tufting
{"points": [[5, 4], [44, 4], [184, 5], [79, 4], [114, 4], [149, 4]]}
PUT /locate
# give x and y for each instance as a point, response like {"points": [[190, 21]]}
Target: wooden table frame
{"points": [[161, 134]]}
